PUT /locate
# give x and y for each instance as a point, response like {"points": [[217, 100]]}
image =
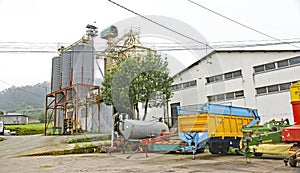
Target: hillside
{"points": [[25, 97]]}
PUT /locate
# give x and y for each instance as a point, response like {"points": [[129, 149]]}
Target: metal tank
{"points": [[65, 68], [137, 129], [55, 75], [111, 31], [83, 64]]}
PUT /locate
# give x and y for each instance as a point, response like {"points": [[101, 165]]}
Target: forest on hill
{"points": [[24, 98]]}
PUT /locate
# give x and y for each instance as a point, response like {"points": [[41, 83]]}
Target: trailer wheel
{"points": [[292, 161], [224, 150], [213, 149], [258, 154], [201, 150]]}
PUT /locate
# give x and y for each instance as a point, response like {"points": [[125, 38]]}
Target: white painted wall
{"points": [[270, 106]]}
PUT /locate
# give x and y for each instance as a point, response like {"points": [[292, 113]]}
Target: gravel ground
{"points": [[12, 149]]}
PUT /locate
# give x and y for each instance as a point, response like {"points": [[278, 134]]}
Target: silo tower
{"points": [[74, 103]]}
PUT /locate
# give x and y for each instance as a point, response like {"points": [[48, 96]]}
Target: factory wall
{"points": [[237, 78]]}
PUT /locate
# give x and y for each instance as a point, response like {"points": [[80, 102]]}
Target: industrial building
{"points": [[74, 104], [257, 79], [248, 78], [10, 118]]}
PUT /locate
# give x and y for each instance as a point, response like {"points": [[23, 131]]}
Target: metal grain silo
{"points": [[83, 64], [65, 68], [55, 75]]}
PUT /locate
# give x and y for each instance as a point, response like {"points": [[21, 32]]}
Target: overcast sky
{"points": [[43, 25]]}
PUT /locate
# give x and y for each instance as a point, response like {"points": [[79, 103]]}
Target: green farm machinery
{"points": [[266, 138]]}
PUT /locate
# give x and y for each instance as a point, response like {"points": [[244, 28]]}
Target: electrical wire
{"points": [[21, 89], [239, 23], [171, 48], [224, 47], [161, 25], [225, 41], [19, 47]]}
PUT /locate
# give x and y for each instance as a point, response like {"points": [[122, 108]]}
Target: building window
{"points": [[237, 73], [277, 65], [184, 85], [229, 96], [283, 63], [273, 88], [225, 76], [179, 86], [226, 96], [210, 79], [220, 97], [295, 60], [218, 78], [211, 98], [193, 83], [270, 66], [228, 76], [261, 90], [259, 68], [284, 87], [239, 94]]}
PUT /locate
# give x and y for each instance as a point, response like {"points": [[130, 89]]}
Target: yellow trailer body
{"points": [[295, 92], [216, 125]]}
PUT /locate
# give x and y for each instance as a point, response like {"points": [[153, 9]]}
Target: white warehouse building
{"points": [[258, 79]]}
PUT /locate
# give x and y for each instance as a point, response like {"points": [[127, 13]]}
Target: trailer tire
{"points": [[258, 154], [201, 150], [214, 149], [225, 149], [292, 161]]}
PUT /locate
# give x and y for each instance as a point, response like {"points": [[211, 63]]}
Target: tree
{"points": [[135, 80]]}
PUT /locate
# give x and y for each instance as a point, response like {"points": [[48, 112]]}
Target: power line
{"points": [[173, 48], [16, 48], [26, 51], [225, 41], [21, 89], [221, 41], [161, 25], [239, 23]]}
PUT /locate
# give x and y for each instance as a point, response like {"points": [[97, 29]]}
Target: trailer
{"points": [[292, 134], [214, 125], [276, 137], [265, 139]]}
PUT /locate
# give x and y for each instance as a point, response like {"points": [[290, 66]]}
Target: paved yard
{"points": [[12, 149]]}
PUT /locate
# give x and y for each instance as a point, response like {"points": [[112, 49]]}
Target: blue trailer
{"points": [[214, 125]]}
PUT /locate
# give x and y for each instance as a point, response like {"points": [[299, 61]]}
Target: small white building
{"points": [[248, 78], [10, 118]]}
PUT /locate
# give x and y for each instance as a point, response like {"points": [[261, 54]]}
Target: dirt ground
{"points": [[11, 160]]}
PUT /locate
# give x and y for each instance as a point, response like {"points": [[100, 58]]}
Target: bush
{"points": [[28, 129]]}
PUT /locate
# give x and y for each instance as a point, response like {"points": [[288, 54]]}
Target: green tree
{"points": [[140, 79]]}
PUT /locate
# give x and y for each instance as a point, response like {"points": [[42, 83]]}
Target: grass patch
{"points": [[47, 166], [71, 141], [89, 139], [28, 129], [1, 139]]}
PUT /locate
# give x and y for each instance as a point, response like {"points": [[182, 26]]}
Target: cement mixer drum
{"points": [[137, 129]]}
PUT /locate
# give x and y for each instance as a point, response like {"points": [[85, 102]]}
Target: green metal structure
{"points": [[268, 133]]}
